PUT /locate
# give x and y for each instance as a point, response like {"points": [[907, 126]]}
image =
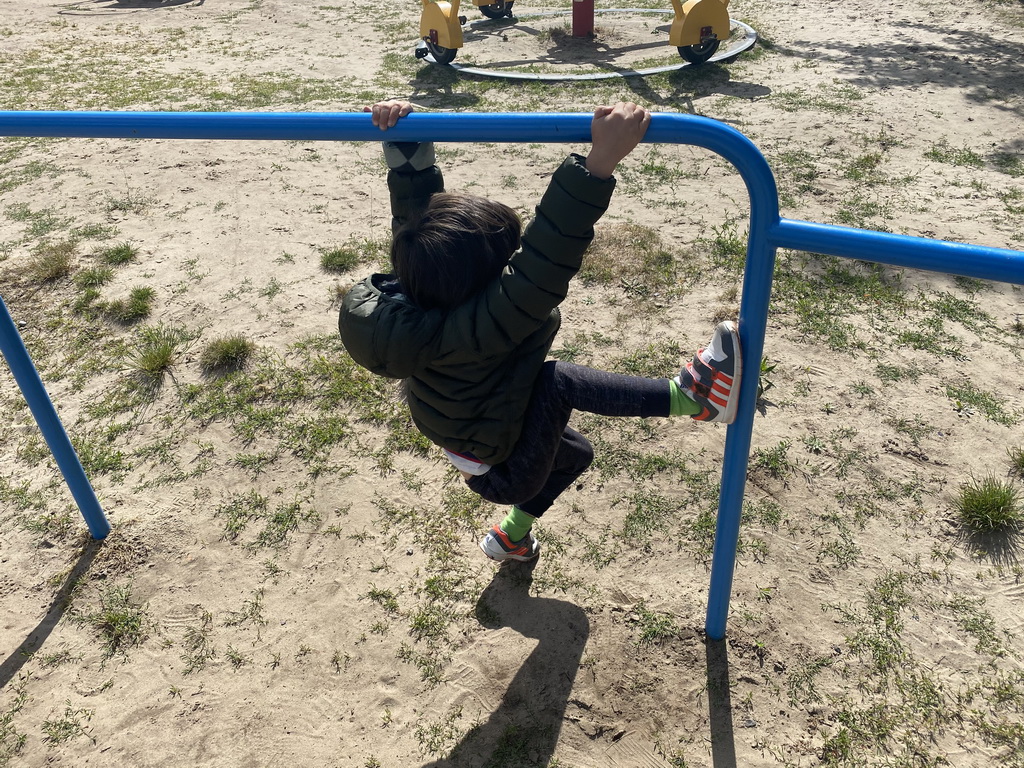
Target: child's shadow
{"points": [[526, 725]]}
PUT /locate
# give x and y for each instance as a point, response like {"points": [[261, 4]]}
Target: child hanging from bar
{"points": [[470, 311]]}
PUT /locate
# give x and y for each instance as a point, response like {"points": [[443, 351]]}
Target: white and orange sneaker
{"points": [[498, 546], [712, 378]]}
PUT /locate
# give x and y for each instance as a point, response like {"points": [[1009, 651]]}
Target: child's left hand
{"points": [[386, 114]]}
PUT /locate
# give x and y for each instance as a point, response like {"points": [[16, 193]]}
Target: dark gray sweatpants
{"points": [[550, 455]]}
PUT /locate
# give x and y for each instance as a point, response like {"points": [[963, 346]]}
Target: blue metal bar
{"points": [[39, 403], [978, 261], [767, 231]]}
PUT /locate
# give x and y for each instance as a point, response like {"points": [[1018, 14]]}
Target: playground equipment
{"points": [[698, 27], [768, 233]]}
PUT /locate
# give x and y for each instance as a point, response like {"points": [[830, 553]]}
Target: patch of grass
{"points": [[1009, 163], [929, 336], [131, 201], [437, 738], [95, 232], [117, 255], [797, 174], [94, 277], [226, 354], [774, 461], [863, 211], [278, 521], [963, 311], [890, 374], [988, 505], [835, 98], [236, 657], [632, 255], [1016, 455], [155, 350], [340, 259], [966, 395], [272, 288], [648, 512], [865, 168], [138, 306], [656, 360], [56, 659], [385, 598], [915, 428], [120, 622], [12, 741], [822, 291], [69, 725], [726, 247], [99, 456], [960, 156], [39, 223], [971, 617], [51, 261], [197, 650], [653, 627]]}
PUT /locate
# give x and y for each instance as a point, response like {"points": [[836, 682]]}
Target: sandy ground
{"points": [[865, 628]]}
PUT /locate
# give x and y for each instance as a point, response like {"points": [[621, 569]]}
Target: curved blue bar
{"points": [[518, 128], [767, 233], [39, 403]]}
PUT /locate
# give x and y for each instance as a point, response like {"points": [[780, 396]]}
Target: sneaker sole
{"points": [[507, 557], [729, 415]]}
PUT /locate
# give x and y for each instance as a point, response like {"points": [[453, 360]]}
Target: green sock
{"points": [[517, 523], [681, 403]]}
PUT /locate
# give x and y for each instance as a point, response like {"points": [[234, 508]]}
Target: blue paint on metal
{"points": [[768, 232], [46, 417]]}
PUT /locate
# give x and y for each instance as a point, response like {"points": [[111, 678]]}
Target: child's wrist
{"points": [[599, 166]]}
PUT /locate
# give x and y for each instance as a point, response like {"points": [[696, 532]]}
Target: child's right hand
{"points": [[385, 114], [615, 131]]}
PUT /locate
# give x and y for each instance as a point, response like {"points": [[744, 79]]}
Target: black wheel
{"points": [[497, 10], [441, 54], [698, 54]]}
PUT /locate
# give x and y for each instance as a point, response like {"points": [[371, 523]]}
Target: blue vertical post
{"points": [[39, 403]]}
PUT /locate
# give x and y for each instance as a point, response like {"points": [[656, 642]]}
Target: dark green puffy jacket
{"points": [[470, 370]]}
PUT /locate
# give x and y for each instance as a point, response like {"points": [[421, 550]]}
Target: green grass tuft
{"points": [[122, 253], [226, 354], [1016, 455], [138, 306], [121, 622], [341, 259], [155, 350], [51, 261], [988, 505]]}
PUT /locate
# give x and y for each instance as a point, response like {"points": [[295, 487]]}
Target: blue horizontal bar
{"points": [[953, 258], [513, 127]]}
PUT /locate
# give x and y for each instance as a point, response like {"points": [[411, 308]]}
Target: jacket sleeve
{"points": [[537, 277], [413, 177]]}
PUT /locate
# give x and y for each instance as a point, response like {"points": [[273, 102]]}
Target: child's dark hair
{"points": [[454, 248]]}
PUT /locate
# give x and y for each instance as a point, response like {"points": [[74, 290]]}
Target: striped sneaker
{"points": [[712, 378], [497, 546]]}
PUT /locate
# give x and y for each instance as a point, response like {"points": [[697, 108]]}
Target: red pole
{"points": [[582, 18]]}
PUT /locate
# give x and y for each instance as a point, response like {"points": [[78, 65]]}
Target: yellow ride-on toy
{"points": [[697, 29]]}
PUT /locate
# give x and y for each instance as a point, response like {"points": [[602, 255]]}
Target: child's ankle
{"points": [[517, 524], [681, 404]]}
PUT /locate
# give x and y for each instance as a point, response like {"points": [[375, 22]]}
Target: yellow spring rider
{"points": [[698, 27]]}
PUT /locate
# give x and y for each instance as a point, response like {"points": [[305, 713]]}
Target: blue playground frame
{"points": [[768, 233]]}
